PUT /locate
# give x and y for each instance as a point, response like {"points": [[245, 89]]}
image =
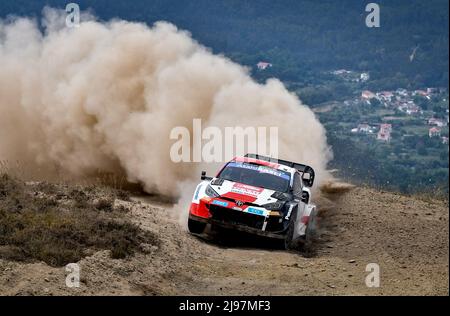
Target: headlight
{"points": [[273, 206], [210, 192]]}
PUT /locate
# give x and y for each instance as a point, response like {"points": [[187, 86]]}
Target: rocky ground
{"points": [[405, 236]]}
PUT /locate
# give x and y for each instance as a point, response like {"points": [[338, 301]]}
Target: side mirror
{"points": [[305, 197], [204, 177], [308, 179]]}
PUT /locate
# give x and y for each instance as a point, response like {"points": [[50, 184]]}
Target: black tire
{"points": [[196, 227], [311, 233], [311, 229], [289, 242]]}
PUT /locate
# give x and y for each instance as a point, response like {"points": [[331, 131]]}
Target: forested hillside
{"points": [[321, 50], [301, 38]]}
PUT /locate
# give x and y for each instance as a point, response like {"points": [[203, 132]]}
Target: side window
{"points": [[297, 189]]}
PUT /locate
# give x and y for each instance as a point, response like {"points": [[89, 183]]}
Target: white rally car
{"points": [[258, 195]]}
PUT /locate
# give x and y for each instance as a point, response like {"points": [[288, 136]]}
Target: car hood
{"points": [[242, 192]]}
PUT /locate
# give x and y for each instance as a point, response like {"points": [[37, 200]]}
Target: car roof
{"points": [[264, 163]]}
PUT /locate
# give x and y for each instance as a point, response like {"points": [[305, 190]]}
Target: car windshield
{"points": [[256, 175]]}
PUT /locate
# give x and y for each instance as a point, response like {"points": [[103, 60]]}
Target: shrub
{"points": [[38, 223]]}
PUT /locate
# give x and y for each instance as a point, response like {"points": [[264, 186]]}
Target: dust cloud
{"points": [[103, 98]]}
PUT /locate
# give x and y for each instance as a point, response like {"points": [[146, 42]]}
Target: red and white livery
{"points": [[258, 195]]}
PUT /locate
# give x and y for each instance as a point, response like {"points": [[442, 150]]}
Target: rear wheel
{"points": [[196, 227]]}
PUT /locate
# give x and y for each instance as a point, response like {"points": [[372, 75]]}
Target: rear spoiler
{"points": [[307, 172]]}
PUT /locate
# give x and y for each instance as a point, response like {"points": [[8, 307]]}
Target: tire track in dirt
{"points": [[406, 237]]}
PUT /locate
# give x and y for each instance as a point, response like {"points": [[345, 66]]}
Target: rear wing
{"points": [[307, 172]]}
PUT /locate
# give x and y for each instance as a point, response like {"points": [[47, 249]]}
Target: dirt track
{"points": [[406, 237]]}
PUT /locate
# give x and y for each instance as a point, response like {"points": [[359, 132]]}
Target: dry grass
{"points": [[59, 224], [433, 194]]}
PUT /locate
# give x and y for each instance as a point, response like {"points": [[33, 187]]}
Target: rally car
{"points": [[257, 195]]}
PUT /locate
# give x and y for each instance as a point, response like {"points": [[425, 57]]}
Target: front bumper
{"points": [[238, 227]]}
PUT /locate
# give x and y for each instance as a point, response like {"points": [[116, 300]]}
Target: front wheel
{"points": [[196, 227], [311, 234], [311, 229], [289, 242]]}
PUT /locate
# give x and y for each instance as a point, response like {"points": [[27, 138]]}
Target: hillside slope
{"points": [[300, 37], [406, 237]]}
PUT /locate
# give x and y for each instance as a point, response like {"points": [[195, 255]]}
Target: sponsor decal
{"points": [[246, 189], [277, 173], [243, 165], [289, 212], [261, 169], [255, 211], [220, 203]]}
